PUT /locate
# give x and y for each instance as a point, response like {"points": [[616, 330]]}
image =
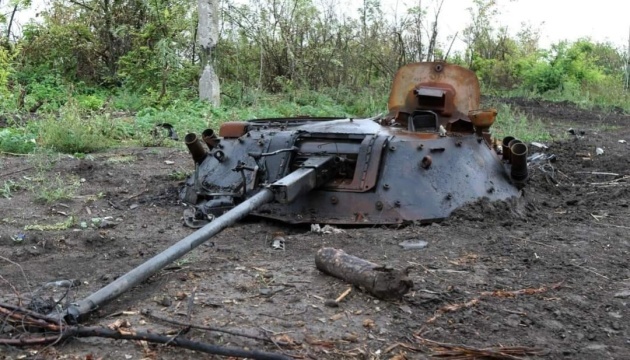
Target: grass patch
{"points": [[8, 188], [51, 227], [94, 121], [121, 159], [73, 132], [43, 160], [55, 189], [602, 98], [511, 122], [177, 175], [17, 140]]}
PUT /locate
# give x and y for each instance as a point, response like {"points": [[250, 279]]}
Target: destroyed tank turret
{"points": [[431, 154]]}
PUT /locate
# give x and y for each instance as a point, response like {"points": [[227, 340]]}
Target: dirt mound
{"points": [[565, 111], [572, 174]]}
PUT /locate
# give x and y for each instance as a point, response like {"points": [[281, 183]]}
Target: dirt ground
{"points": [[548, 271]]}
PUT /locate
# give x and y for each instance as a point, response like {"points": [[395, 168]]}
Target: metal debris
{"points": [[326, 229], [278, 243], [413, 244], [541, 157], [540, 145], [165, 130]]}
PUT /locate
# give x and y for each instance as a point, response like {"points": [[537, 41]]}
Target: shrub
{"points": [[16, 141], [74, 133]]}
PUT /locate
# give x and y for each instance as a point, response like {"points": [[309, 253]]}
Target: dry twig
{"points": [[446, 350], [21, 270], [148, 314], [28, 320], [497, 293]]}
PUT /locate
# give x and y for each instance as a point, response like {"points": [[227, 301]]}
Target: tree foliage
{"points": [[84, 48]]}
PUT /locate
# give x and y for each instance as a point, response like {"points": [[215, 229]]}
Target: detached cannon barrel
{"points": [[314, 172], [164, 258]]}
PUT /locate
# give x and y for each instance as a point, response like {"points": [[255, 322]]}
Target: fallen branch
{"points": [[148, 314], [446, 350], [617, 182], [5, 307], [13, 154], [16, 171], [380, 281], [93, 331], [515, 293], [29, 321], [497, 293], [343, 295], [613, 225], [402, 345], [453, 308], [21, 270], [597, 173]]}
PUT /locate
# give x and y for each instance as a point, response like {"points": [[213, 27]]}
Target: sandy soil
{"points": [[548, 271]]}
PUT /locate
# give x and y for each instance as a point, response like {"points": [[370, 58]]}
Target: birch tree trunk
{"points": [[208, 34]]}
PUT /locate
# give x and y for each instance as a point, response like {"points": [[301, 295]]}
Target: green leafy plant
{"points": [[73, 132], [8, 187], [177, 175], [64, 225], [17, 141], [90, 102], [515, 123], [55, 189]]}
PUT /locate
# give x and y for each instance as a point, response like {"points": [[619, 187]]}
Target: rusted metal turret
{"points": [[431, 154]]}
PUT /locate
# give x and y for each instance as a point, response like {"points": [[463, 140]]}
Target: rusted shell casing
{"points": [[510, 144], [519, 161], [210, 138], [507, 154], [196, 148]]}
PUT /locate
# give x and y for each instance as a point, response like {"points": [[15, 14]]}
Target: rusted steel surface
{"points": [[232, 129], [451, 91], [430, 155]]}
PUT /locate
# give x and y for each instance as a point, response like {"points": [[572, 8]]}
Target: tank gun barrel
{"points": [[176, 251], [313, 173]]}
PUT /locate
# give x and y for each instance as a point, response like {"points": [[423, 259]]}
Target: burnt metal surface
{"points": [[431, 154]]}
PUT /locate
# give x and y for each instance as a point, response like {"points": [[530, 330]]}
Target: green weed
{"points": [[128, 101], [8, 187], [17, 140], [121, 159], [55, 189], [42, 160], [511, 122], [73, 133], [51, 227], [177, 175], [90, 102]]}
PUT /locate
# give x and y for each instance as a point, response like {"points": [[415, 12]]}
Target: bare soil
{"points": [[548, 271]]}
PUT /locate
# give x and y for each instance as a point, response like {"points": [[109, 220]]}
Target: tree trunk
{"points": [[15, 8], [380, 281], [208, 34]]}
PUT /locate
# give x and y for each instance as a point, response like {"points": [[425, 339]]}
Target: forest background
{"points": [[86, 75]]}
